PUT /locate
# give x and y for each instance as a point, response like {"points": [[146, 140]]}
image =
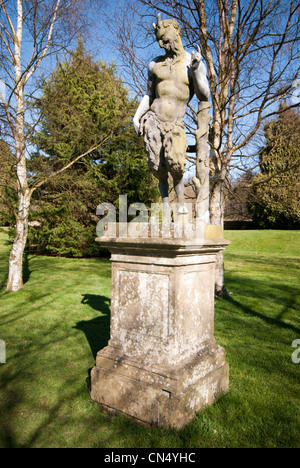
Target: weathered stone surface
{"points": [[161, 395], [161, 364]]}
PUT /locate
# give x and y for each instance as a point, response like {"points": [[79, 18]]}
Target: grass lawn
{"points": [[54, 326]]}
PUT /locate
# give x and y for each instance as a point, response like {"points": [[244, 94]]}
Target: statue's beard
{"points": [[171, 47]]}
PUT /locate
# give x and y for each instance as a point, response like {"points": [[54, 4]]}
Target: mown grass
{"points": [[55, 325]]}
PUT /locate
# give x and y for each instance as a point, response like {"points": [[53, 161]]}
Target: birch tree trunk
{"points": [[15, 275], [11, 34]]}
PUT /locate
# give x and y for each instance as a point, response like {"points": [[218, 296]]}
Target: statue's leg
{"points": [[179, 190], [160, 171], [163, 186], [154, 149], [175, 145]]}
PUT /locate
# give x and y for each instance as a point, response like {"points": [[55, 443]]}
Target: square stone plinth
{"points": [[161, 364]]}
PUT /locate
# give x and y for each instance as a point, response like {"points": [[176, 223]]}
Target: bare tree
{"points": [[252, 59], [30, 31]]}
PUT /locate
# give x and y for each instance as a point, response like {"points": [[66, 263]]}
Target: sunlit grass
{"points": [[54, 326]]}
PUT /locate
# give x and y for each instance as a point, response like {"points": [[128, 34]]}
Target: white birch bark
{"points": [[15, 280], [15, 274]]}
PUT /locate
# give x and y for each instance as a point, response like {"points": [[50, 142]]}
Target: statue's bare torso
{"points": [[170, 86]]}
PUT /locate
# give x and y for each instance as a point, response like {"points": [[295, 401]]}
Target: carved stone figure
{"points": [[173, 79]]}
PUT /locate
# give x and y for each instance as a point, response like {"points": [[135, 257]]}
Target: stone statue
{"points": [[161, 365], [173, 79]]}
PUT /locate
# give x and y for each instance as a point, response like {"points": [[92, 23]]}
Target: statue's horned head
{"points": [[159, 22], [164, 24]]}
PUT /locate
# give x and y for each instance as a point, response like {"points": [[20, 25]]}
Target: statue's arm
{"points": [[144, 106], [200, 81], [146, 102]]}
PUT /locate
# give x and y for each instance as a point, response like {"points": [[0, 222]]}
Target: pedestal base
{"points": [[162, 364], [160, 396]]}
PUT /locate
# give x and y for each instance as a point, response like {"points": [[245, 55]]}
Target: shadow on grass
{"points": [[52, 416], [269, 320], [26, 270], [270, 295], [97, 330], [98, 303], [265, 261], [3, 269], [4, 259]]}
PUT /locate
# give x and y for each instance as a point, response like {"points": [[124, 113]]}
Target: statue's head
{"points": [[167, 33]]}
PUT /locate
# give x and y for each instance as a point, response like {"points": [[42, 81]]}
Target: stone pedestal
{"points": [[162, 363]]}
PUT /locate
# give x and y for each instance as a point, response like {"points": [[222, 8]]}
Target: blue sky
{"points": [[100, 44]]}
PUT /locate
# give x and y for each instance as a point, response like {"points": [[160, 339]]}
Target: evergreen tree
{"points": [[81, 101], [276, 189], [8, 189]]}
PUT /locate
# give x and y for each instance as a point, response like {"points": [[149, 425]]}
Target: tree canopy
{"points": [[276, 189], [81, 103]]}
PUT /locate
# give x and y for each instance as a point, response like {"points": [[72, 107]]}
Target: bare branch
{"points": [[42, 55], [54, 174], [2, 4]]}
